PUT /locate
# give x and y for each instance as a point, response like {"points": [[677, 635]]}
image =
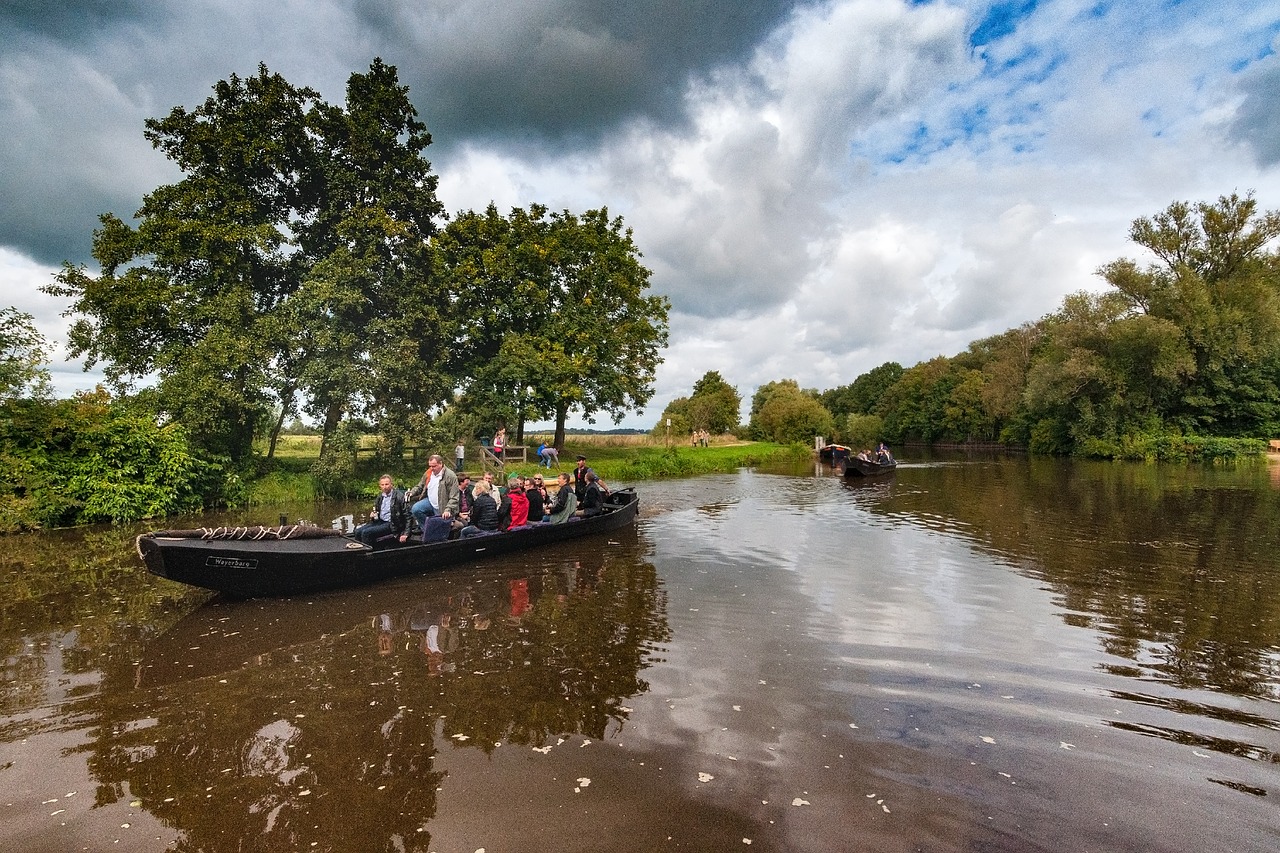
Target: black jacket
{"points": [[592, 501], [484, 512], [536, 510], [399, 511]]}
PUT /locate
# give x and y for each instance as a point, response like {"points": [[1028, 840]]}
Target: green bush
{"points": [[90, 459], [1172, 447]]}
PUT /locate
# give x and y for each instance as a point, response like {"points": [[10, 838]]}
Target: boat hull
{"points": [[273, 568], [855, 467]]}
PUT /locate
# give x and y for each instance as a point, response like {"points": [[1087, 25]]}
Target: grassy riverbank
{"points": [[617, 459]]}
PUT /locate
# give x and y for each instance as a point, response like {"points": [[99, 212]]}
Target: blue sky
{"points": [[818, 187]]}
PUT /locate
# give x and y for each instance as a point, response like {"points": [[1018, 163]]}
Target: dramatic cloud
{"points": [[818, 187]]}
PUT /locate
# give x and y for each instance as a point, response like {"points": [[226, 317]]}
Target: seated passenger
{"points": [[562, 508], [388, 515], [466, 494], [592, 498], [518, 502], [536, 493], [484, 512], [436, 493]]}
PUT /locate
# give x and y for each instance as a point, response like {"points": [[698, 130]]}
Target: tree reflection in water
{"points": [[329, 735], [1175, 567]]}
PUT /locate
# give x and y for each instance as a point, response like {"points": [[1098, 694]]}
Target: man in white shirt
{"points": [[435, 495]]}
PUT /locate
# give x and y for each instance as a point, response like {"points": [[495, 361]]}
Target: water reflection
{"points": [[1109, 601], [1177, 569], [250, 720]]}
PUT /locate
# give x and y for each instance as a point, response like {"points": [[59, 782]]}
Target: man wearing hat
{"points": [[580, 477]]}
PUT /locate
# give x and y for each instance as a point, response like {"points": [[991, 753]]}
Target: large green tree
{"points": [[278, 265], [862, 396], [715, 404], [554, 314], [1217, 284], [783, 412]]}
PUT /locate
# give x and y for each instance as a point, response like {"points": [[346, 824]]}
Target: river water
{"points": [[994, 654]]}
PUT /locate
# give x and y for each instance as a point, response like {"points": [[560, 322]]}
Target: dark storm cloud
{"points": [[562, 70], [81, 77], [1257, 121], [71, 20]]}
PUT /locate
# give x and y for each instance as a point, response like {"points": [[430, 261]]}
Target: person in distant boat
{"points": [[865, 455], [435, 495], [883, 456], [388, 515], [484, 512], [565, 503]]}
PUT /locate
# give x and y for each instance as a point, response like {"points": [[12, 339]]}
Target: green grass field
{"points": [[616, 458]]}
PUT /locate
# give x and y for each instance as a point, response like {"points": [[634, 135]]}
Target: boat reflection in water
{"points": [[266, 714]]}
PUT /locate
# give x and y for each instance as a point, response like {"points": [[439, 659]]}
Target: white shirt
{"points": [[433, 491]]}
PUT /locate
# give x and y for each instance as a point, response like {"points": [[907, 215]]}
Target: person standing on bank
{"points": [[388, 515], [459, 456], [435, 495]]}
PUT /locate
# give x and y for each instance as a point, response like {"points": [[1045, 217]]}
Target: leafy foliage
{"points": [[552, 315], [1169, 358], [279, 264], [90, 459], [23, 371], [782, 412], [714, 407]]}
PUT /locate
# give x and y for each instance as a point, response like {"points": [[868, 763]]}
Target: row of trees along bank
{"points": [[1175, 359]]}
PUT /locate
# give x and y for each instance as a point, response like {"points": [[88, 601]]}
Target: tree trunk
{"points": [[562, 413], [332, 417], [286, 397]]}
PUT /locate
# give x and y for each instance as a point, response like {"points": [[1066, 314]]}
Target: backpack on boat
{"points": [[436, 529]]}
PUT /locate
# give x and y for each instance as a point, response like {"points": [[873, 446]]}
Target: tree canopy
{"points": [[714, 406], [281, 262], [22, 362], [554, 315], [1187, 345], [299, 266], [782, 412]]}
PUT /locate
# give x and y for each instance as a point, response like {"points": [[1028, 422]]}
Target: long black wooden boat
{"points": [[263, 562]]}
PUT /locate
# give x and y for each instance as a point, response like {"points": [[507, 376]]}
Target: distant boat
{"points": [[833, 453], [852, 466], [275, 561], [843, 459]]}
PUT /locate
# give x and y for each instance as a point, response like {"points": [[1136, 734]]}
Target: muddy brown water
{"points": [[976, 654]]}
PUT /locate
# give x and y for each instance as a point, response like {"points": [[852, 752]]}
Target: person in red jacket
{"points": [[519, 502]]}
